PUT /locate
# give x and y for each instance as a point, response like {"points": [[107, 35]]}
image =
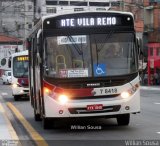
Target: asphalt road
{"points": [[144, 127]]}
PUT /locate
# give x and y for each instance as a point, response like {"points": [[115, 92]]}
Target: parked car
{"points": [[6, 77]]}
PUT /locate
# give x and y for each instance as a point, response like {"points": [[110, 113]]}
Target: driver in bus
{"points": [[113, 51]]}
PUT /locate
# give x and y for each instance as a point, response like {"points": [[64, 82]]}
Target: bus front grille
{"points": [[95, 97], [26, 91], [106, 109]]}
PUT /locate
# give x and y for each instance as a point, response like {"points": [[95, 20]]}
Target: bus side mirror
{"points": [[38, 36], [38, 46], [139, 46], [9, 62], [28, 45], [39, 58]]}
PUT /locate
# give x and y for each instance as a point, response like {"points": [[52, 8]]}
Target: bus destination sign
{"points": [[84, 22], [89, 21], [22, 58]]}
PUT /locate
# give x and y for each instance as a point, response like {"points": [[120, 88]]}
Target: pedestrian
{"points": [[156, 78]]}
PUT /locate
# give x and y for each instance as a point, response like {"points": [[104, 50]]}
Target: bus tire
{"points": [[123, 120], [47, 123], [31, 97], [37, 117], [16, 97]]}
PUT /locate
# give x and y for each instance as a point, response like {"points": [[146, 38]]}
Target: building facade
{"points": [[152, 40], [45, 7], [16, 17], [8, 46]]}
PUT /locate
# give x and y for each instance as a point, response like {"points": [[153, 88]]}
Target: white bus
{"points": [[84, 64], [19, 70]]}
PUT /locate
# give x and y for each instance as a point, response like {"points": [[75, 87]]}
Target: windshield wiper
{"points": [[102, 45], [106, 39], [75, 46], [79, 50], [96, 50], [24, 74]]}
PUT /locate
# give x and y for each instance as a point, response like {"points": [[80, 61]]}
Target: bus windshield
{"points": [[95, 55], [20, 66]]}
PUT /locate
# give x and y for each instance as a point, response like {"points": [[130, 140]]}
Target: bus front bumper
{"points": [[20, 91], [79, 108]]}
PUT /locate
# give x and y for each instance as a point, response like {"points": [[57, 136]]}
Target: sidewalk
{"points": [[7, 132], [150, 87]]}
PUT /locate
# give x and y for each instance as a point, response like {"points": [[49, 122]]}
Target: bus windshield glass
{"points": [[20, 66], [94, 55]]}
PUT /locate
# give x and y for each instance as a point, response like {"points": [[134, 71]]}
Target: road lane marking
{"points": [[11, 130], [4, 94], [157, 103], [1, 108], [150, 88], [39, 140], [158, 132]]}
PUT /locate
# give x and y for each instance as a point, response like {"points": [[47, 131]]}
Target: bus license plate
{"points": [[94, 107]]}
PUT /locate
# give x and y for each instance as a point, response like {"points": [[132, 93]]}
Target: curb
{"points": [[149, 88]]}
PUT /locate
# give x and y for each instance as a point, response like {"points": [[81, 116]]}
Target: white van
{"points": [[6, 77]]}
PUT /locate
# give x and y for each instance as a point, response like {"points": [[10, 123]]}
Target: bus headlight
{"points": [[14, 85], [63, 99], [128, 93], [125, 94]]}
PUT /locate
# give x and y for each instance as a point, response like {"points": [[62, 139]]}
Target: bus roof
{"points": [[65, 13], [20, 53]]}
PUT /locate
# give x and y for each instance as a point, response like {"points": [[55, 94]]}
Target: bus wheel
{"points": [[47, 123], [37, 116], [31, 97], [16, 97], [123, 120]]}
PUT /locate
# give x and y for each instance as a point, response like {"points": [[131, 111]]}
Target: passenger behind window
{"points": [[113, 51]]}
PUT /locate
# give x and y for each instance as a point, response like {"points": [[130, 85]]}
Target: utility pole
{"points": [[34, 10], [25, 24], [0, 16], [122, 5]]}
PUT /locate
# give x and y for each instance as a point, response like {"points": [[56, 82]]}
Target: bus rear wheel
{"points": [[123, 120], [37, 116]]}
